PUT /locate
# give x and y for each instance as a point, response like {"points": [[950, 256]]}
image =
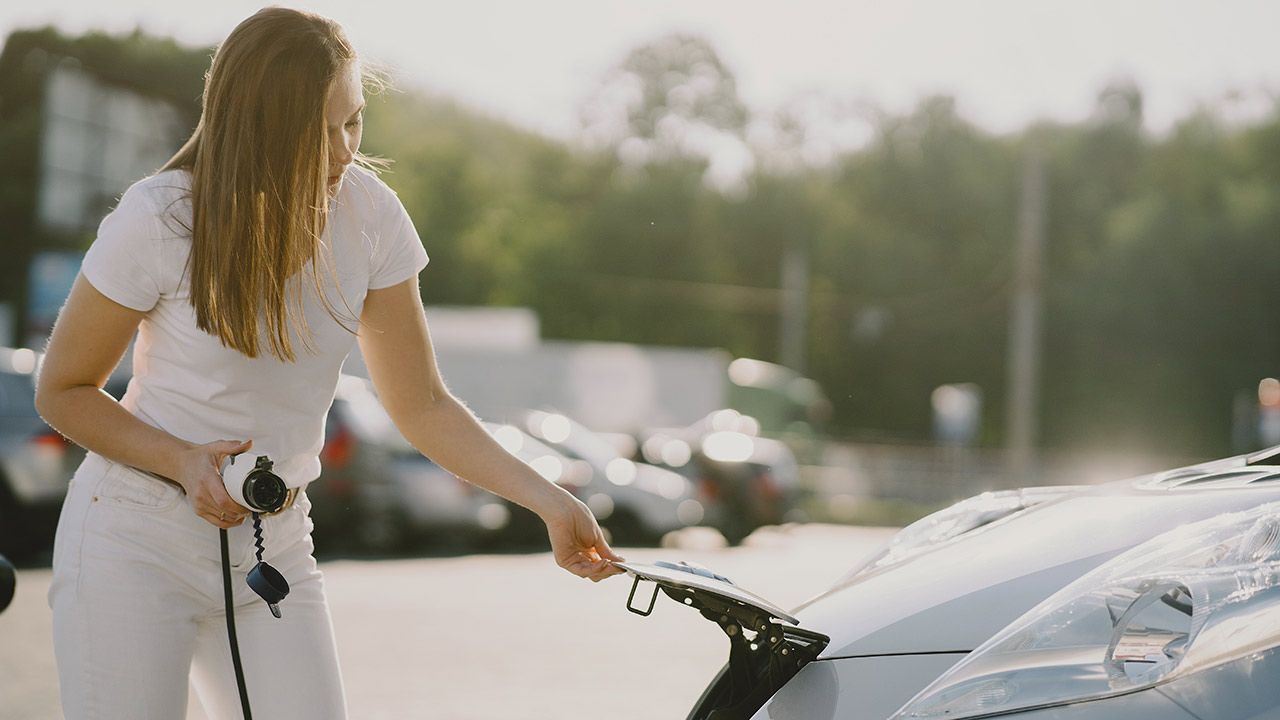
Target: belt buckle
{"points": [[290, 498]]}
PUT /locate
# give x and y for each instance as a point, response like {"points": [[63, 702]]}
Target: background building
{"points": [[80, 120]]}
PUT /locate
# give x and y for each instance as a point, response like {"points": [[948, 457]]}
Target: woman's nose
{"points": [[340, 154], [341, 151]]}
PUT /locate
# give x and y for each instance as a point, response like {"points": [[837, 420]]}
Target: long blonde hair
{"points": [[259, 161]]}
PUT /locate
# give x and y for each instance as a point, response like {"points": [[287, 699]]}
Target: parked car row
{"points": [[377, 493]]}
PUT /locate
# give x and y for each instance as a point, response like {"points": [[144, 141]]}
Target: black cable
{"points": [[231, 625], [257, 535]]}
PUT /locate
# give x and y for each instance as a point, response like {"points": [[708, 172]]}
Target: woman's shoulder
{"points": [[166, 195], [162, 185], [367, 191], [132, 260]]}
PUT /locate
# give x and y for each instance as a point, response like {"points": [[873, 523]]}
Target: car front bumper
{"points": [[873, 688], [859, 688]]}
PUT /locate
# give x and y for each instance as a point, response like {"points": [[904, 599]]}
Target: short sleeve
{"points": [[398, 253], [123, 263]]}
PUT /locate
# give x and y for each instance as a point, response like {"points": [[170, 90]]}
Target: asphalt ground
{"points": [[502, 636]]}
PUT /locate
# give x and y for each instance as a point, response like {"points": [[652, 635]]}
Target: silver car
{"points": [[636, 503], [1154, 597]]}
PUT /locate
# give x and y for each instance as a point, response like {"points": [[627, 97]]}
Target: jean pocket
{"points": [[129, 488]]}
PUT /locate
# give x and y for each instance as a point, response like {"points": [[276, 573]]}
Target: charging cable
{"points": [[258, 488]]}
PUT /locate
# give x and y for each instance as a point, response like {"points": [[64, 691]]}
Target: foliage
{"points": [[1157, 294]]}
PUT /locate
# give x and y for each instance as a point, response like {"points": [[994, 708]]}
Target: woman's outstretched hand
{"points": [[577, 543], [201, 476]]}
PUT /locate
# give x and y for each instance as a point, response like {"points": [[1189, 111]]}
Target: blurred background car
{"points": [[8, 582], [746, 481], [635, 504], [376, 493], [35, 461]]}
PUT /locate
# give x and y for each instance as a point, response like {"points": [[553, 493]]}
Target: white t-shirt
{"points": [[185, 381]]}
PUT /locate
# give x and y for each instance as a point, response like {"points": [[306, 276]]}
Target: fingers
{"points": [[580, 548], [223, 514], [221, 500], [216, 520], [213, 503], [224, 448], [606, 571], [588, 564], [219, 518], [231, 447], [607, 552]]}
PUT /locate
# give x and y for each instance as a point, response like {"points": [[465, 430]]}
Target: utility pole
{"points": [[795, 306], [1025, 322]]}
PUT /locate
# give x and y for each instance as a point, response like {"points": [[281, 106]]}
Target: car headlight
{"points": [[1192, 598], [959, 519]]}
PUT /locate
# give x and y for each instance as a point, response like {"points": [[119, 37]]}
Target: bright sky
{"points": [[1007, 61]]}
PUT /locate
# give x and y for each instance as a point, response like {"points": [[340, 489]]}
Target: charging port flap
{"points": [[767, 646], [693, 585]]}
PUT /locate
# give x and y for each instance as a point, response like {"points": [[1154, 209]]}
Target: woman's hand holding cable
{"points": [[200, 476]]}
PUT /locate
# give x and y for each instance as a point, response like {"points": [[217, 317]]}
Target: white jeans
{"points": [[137, 605]]}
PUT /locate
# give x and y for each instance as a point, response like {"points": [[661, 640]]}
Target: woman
{"points": [[249, 265]]}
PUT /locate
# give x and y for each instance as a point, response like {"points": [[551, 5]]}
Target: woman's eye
{"points": [[355, 122]]}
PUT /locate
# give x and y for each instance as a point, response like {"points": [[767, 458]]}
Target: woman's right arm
{"points": [[89, 338]]}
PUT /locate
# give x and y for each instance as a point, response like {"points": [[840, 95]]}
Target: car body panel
{"points": [[992, 575], [869, 688], [873, 688], [945, 600], [1149, 705], [1244, 689]]}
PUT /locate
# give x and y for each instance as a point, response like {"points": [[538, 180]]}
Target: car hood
{"points": [[954, 597]]}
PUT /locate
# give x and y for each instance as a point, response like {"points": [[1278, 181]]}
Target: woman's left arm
{"points": [[397, 350]]}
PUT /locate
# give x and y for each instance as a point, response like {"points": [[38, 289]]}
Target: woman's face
{"points": [[344, 122]]}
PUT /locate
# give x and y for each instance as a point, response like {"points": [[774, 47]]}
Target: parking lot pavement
{"points": [[501, 636]]}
